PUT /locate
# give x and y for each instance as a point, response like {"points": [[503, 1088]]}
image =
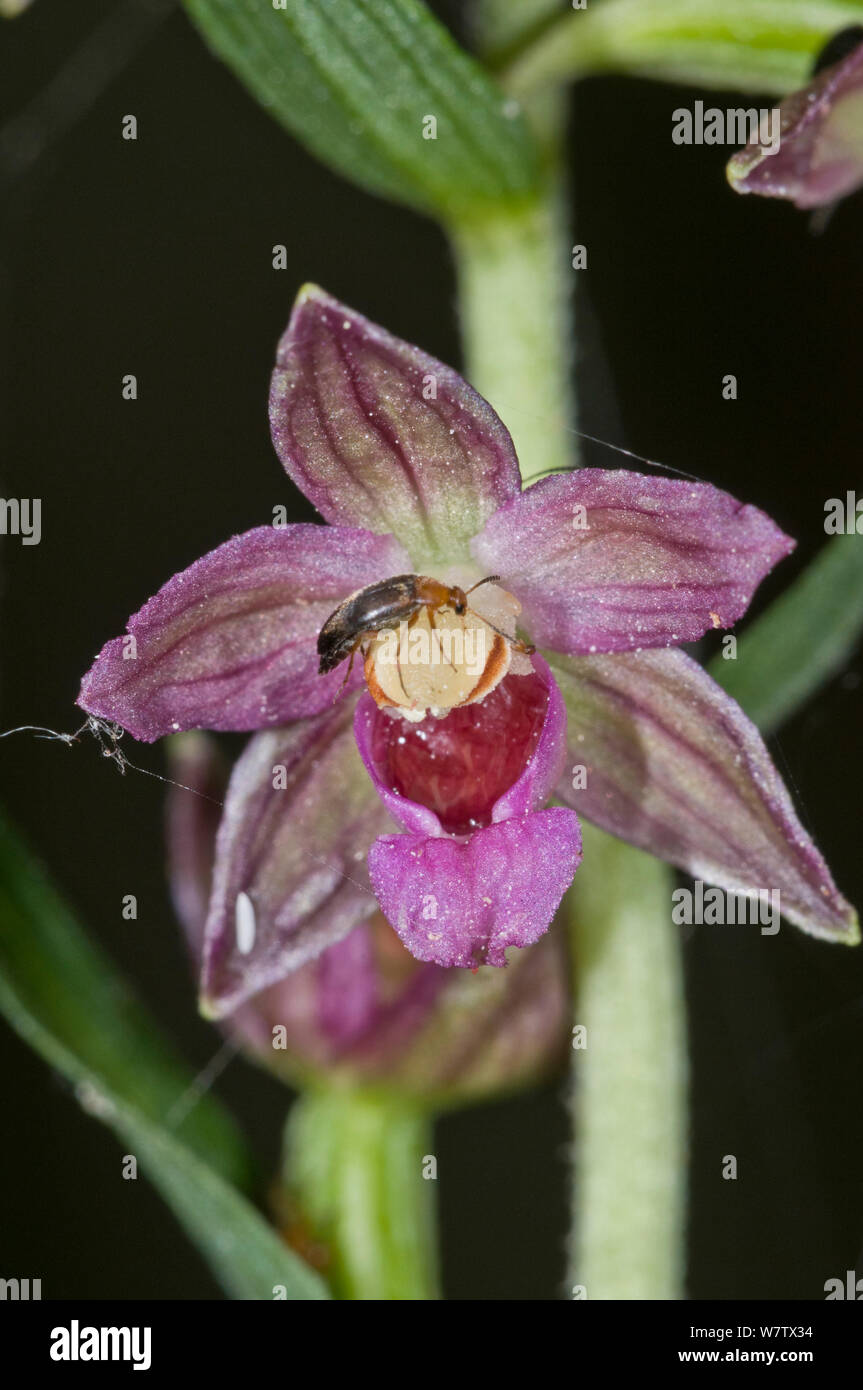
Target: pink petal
{"points": [[674, 766], [229, 643], [378, 434], [659, 562], [296, 852], [464, 902]]}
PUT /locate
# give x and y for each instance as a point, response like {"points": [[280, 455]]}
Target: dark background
{"points": [[154, 258]]}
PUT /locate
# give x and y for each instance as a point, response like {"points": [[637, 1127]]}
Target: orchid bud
{"points": [[820, 154]]}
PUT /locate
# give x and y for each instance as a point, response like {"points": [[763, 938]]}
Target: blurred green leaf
{"points": [[64, 999], [802, 639], [10, 9], [354, 80], [246, 1254], [747, 45]]}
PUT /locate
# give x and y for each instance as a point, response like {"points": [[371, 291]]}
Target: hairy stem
{"points": [[356, 1164], [514, 274], [629, 1102], [516, 280]]}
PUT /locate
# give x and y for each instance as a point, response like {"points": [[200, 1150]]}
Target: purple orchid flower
{"points": [[415, 473], [820, 154]]}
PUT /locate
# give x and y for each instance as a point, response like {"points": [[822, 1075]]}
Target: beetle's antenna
{"points": [[489, 579], [513, 641]]}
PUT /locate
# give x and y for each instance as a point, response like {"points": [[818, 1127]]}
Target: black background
{"points": [[154, 257]]}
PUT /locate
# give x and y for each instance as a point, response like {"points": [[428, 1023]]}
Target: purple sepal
{"points": [[230, 643], [610, 561], [673, 765], [378, 434]]}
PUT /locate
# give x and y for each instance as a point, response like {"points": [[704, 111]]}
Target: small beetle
{"points": [[386, 604]]}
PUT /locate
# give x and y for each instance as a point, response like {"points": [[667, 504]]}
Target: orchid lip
{"points": [[481, 866]]}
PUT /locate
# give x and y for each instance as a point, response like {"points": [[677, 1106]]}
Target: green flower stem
{"points": [[630, 1076], [747, 45], [355, 1164], [515, 279]]}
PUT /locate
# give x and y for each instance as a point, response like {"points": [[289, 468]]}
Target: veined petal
{"points": [[229, 643], [464, 902], [290, 876], [673, 765], [608, 561], [378, 434]]}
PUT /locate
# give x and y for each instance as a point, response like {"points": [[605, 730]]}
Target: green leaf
{"points": [[247, 1256], [748, 45], [64, 999], [802, 640], [354, 81]]}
